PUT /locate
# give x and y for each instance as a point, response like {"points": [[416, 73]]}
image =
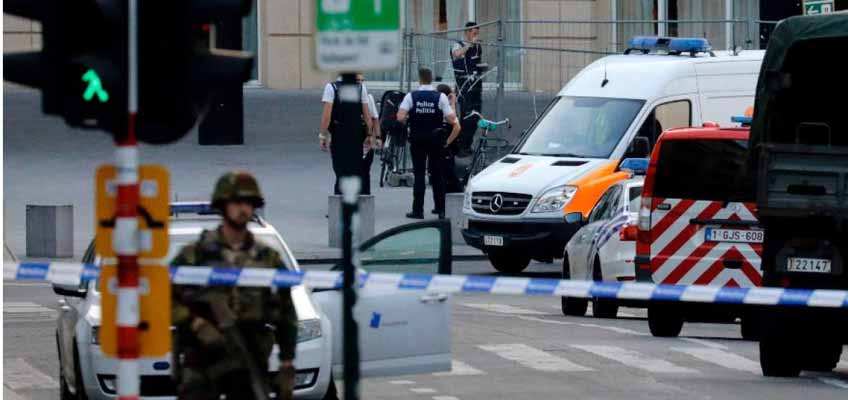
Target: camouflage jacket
{"points": [[253, 307]]}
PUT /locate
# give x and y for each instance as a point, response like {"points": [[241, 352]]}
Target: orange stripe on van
{"points": [[591, 187]]}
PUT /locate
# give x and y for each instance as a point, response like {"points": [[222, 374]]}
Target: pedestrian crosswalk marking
{"points": [[834, 382], [502, 308], [459, 368], [25, 307], [533, 358], [721, 358], [18, 374], [635, 359], [10, 395], [706, 343]]}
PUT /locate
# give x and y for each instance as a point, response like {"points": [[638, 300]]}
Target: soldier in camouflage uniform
{"points": [[211, 321]]}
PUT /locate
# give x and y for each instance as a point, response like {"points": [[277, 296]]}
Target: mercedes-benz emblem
{"points": [[497, 203]]}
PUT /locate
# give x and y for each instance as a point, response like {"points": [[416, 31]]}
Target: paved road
{"points": [[503, 348]]}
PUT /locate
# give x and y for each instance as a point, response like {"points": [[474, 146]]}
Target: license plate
{"points": [[820, 265], [735, 235], [493, 240]]}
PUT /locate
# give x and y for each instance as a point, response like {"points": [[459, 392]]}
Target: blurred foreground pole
{"points": [[350, 187]]}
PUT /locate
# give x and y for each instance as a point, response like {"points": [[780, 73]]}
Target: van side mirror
{"points": [[574, 218], [640, 148]]}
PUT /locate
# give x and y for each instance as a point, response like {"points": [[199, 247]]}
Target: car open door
{"points": [[400, 332]]}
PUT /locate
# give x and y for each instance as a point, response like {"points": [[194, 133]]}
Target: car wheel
{"points": [[508, 263], [664, 320], [572, 306], [64, 390], [602, 308], [81, 395], [332, 392]]}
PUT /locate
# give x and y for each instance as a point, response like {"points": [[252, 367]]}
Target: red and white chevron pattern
{"points": [[680, 253]]}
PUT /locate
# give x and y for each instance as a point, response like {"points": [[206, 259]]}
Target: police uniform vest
{"points": [[425, 116], [346, 115], [465, 66]]}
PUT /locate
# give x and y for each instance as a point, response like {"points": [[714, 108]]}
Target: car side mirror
{"points": [[69, 291], [574, 218]]}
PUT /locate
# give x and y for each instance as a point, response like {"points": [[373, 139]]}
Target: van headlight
{"points": [[555, 199], [308, 329], [466, 201]]}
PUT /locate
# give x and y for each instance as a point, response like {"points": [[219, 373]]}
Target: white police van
{"points": [[614, 109]]}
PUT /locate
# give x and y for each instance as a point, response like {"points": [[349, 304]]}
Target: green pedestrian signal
{"points": [[95, 87]]}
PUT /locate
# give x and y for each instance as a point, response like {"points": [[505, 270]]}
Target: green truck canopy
{"points": [[803, 83]]}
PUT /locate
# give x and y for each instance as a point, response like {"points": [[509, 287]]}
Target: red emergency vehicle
{"points": [[698, 224]]}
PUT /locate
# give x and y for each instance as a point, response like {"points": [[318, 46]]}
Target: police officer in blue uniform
{"points": [[468, 68], [426, 109]]}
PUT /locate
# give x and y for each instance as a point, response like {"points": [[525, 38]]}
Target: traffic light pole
{"points": [[126, 234]]}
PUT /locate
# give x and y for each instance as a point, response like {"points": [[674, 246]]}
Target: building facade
{"points": [[279, 32]]}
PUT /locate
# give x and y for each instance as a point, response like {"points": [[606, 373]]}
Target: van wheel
{"points": [[572, 306], [664, 320], [508, 263], [602, 308]]}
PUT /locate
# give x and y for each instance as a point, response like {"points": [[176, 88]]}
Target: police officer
{"points": [[224, 335], [346, 132], [467, 55], [452, 182], [426, 108]]}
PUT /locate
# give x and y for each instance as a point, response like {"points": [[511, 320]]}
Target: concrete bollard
{"points": [[453, 211], [364, 231], [49, 231]]}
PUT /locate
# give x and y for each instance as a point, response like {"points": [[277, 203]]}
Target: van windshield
{"points": [[584, 127]]}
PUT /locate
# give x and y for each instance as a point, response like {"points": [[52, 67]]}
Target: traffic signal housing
{"points": [[82, 69]]}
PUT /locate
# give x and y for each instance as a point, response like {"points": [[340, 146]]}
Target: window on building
{"points": [[250, 38]]}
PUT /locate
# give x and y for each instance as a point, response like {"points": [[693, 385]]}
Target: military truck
{"points": [[799, 147]]}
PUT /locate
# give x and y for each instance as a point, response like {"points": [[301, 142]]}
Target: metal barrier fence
{"points": [[541, 56], [531, 60]]}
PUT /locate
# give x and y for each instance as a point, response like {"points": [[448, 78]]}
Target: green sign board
{"points": [[357, 35], [813, 7]]}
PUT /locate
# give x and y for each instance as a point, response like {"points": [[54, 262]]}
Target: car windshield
{"points": [[584, 127]]}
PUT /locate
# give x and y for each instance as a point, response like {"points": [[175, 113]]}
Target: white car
{"points": [[604, 248], [400, 332]]}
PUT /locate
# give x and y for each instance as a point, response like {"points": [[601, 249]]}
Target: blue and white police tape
{"points": [[74, 273]]}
